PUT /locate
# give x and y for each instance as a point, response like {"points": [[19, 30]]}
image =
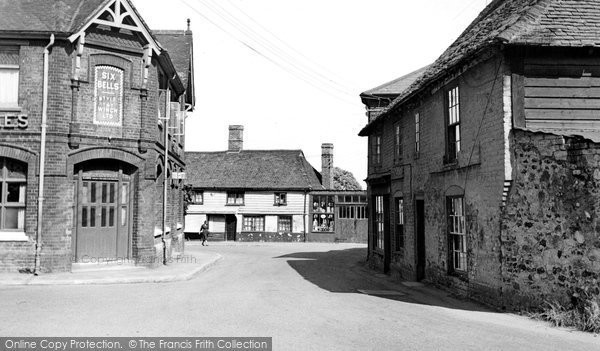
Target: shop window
{"points": [[399, 224], [235, 198], [323, 210], [13, 189], [280, 199], [197, 197], [284, 224], [457, 236], [453, 125], [379, 222], [254, 224], [9, 77]]}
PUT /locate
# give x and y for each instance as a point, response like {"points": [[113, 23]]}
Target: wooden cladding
{"points": [[563, 96]]}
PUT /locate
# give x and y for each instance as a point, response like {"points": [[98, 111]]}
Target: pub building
{"points": [[89, 97]]}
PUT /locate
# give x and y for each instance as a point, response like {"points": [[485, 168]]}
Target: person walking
{"points": [[204, 233]]}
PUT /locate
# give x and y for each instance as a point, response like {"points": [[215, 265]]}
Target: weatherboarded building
{"points": [[85, 90], [483, 173], [270, 195]]}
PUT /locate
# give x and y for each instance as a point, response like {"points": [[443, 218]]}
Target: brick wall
{"points": [[479, 173], [72, 137]]}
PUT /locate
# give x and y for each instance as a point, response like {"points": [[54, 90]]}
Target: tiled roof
{"points": [[251, 169], [63, 16], [531, 22], [178, 44], [396, 86]]}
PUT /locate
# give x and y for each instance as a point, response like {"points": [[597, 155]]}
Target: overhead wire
{"points": [[274, 49], [307, 79], [297, 52]]}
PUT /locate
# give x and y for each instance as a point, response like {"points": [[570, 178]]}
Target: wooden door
{"points": [[103, 216], [420, 234], [230, 227]]}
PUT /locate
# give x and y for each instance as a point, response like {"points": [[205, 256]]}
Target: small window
{"points": [[9, 76], [197, 197], [399, 224], [254, 224], [453, 125], [284, 224], [13, 191], [417, 134], [379, 222], [457, 235], [235, 198], [280, 199], [376, 150], [397, 142]]}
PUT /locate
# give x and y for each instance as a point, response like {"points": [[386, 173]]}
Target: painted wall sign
{"points": [[10, 121], [108, 96]]}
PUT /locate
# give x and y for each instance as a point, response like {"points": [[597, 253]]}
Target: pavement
{"points": [[180, 268]]}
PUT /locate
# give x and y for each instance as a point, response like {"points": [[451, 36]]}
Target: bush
{"points": [[583, 314]]}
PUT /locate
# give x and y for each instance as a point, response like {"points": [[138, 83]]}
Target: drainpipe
{"points": [[38, 236], [166, 169]]}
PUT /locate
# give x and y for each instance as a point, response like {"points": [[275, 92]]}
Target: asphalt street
{"points": [[305, 296]]}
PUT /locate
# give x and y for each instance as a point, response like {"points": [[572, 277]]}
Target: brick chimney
{"points": [[236, 138], [327, 165]]}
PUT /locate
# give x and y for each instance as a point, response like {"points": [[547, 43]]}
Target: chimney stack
{"points": [[236, 138], [327, 165]]}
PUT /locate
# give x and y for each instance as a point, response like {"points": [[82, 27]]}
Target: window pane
{"points": [[104, 193], [84, 216], [124, 193], [123, 216], [15, 218], [92, 192], [16, 169], [15, 192], [103, 217], [92, 216], [111, 216], [9, 86], [112, 193], [85, 193]]}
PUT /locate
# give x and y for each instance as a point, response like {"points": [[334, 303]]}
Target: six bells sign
{"points": [[108, 96]]}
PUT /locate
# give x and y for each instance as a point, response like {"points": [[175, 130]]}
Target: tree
{"points": [[344, 180]]}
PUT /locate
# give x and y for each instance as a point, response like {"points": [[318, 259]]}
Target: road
{"points": [[305, 296]]}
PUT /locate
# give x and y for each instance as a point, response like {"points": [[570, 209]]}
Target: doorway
{"points": [[103, 213], [420, 235], [230, 227]]}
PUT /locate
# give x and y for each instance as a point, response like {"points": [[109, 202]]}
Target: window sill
{"points": [[234, 205], [279, 205], [462, 275], [13, 236], [323, 232], [10, 108]]}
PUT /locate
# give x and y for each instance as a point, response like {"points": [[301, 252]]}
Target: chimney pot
{"points": [[236, 138], [327, 165]]}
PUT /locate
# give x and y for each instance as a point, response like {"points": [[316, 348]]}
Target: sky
{"points": [[291, 72]]}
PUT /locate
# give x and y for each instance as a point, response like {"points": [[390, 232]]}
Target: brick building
{"points": [[84, 88], [483, 171], [270, 195]]}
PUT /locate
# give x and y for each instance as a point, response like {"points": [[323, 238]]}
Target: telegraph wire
{"points": [[260, 53], [252, 34], [298, 52]]}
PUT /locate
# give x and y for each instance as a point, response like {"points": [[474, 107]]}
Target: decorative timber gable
{"points": [[122, 15]]}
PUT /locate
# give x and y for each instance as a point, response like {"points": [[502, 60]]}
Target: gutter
{"points": [[38, 235]]}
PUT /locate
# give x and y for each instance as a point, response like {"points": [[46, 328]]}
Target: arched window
{"points": [[13, 189]]}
